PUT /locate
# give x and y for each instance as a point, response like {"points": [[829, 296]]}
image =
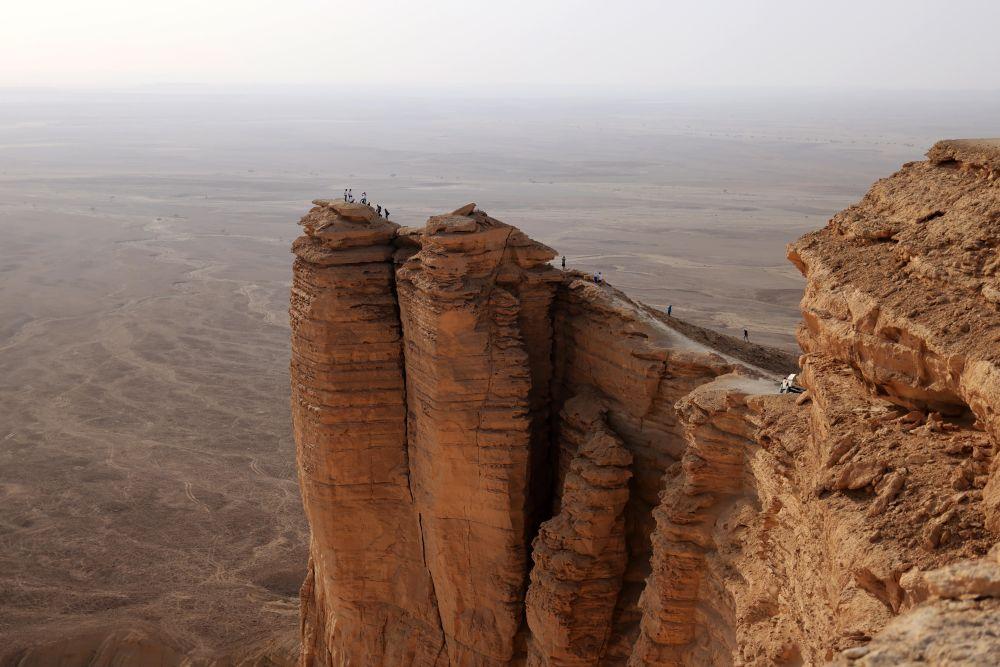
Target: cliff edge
{"points": [[503, 463]]}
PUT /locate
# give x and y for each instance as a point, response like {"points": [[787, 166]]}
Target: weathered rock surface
{"points": [[580, 554], [368, 593], [507, 464], [474, 304], [902, 287], [957, 625]]}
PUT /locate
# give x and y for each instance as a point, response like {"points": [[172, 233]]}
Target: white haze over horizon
{"points": [[630, 44]]}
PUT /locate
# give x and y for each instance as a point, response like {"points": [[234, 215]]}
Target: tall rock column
{"points": [[368, 598], [688, 616], [475, 311], [580, 554]]}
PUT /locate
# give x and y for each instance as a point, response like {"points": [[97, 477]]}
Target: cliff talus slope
{"points": [[507, 464]]}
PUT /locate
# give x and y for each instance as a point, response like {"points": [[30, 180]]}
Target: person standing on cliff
{"points": [[378, 210], [564, 262], [746, 336], [364, 198], [670, 310], [386, 213]]}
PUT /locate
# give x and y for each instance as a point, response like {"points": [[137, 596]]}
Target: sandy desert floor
{"points": [[146, 462], [147, 471]]}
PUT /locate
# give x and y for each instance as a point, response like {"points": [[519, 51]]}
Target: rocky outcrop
{"points": [[687, 618], [903, 287], [815, 529], [453, 393], [474, 305], [580, 554], [504, 463], [368, 592], [955, 626]]}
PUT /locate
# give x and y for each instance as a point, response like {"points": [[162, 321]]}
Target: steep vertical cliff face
{"points": [[506, 464], [688, 618], [580, 554], [795, 528], [638, 367], [496, 422], [474, 304], [368, 596]]}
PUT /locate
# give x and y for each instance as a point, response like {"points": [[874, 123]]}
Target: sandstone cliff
{"points": [[503, 463]]}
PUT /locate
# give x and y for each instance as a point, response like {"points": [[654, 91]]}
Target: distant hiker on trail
{"points": [[364, 197], [564, 262], [746, 336], [378, 210], [345, 194], [386, 213], [670, 309], [350, 196]]}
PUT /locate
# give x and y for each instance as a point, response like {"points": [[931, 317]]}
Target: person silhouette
{"points": [[564, 262], [378, 210], [386, 213], [746, 336], [670, 310]]}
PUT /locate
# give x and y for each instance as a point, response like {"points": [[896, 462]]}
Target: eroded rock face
{"points": [[580, 554], [452, 393], [474, 304], [956, 625], [903, 285], [506, 464], [368, 593], [803, 526]]}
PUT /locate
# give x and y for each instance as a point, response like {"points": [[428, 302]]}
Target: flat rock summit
{"points": [[503, 463]]}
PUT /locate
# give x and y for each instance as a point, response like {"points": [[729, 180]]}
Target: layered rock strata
{"points": [[369, 592], [580, 554], [474, 304], [904, 286], [507, 464]]}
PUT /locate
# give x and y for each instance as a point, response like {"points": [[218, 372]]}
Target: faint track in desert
{"points": [[255, 466], [189, 492]]}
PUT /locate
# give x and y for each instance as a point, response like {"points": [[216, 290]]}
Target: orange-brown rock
{"points": [[687, 616], [579, 555], [474, 304], [956, 625], [501, 354], [901, 286], [368, 597], [639, 367], [505, 464]]}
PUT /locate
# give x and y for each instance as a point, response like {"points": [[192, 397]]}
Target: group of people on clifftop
{"points": [[349, 198]]}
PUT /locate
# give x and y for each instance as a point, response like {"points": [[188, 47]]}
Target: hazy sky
{"points": [[933, 44]]}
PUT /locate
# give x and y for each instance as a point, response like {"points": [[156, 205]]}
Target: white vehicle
{"points": [[788, 386]]}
